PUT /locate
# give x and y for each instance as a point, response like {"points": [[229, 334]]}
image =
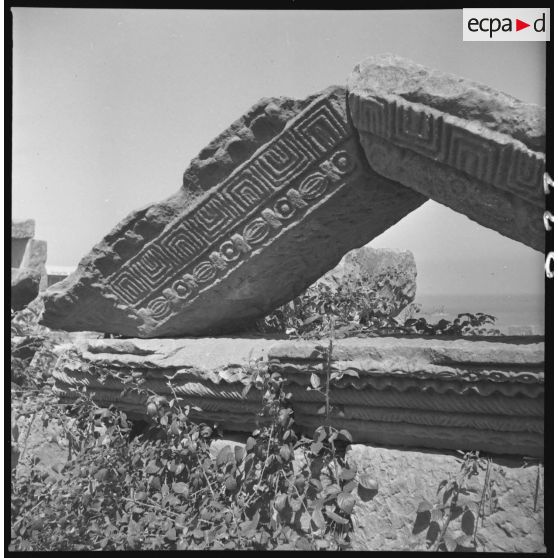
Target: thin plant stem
{"points": [[205, 476], [482, 500]]}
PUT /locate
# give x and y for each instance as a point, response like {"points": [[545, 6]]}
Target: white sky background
{"points": [[111, 105]]}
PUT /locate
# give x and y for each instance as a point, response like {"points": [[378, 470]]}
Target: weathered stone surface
{"points": [[23, 228], [392, 273], [25, 287], [35, 258], [53, 278], [22, 231], [412, 392], [386, 520], [56, 274], [266, 209], [26, 252], [513, 523], [462, 144]]}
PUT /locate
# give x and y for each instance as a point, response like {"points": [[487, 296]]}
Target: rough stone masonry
{"points": [[28, 258]]}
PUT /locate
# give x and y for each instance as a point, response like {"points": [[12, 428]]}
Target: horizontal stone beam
{"points": [[412, 392], [462, 144]]}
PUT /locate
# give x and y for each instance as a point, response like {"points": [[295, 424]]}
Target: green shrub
{"points": [[357, 308], [163, 489]]}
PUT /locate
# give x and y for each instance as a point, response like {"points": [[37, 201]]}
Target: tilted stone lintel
{"points": [[227, 250], [462, 144]]}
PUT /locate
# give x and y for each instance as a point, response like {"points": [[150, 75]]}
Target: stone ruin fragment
{"points": [[28, 259], [462, 144], [265, 210], [434, 393], [276, 201]]}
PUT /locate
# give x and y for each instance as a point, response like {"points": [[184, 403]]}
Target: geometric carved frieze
{"points": [[485, 155], [430, 130], [299, 171]]}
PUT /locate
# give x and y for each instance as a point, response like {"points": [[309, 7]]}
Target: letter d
{"points": [[541, 19]]}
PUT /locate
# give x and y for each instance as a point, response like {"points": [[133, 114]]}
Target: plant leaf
{"points": [[180, 487], [224, 456], [318, 518], [468, 522], [315, 380], [425, 505], [336, 518], [317, 484], [239, 453], [171, 534], [347, 474], [152, 468], [316, 447], [450, 542], [437, 516], [250, 443], [346, 434], [346, 502], [350, 486]]}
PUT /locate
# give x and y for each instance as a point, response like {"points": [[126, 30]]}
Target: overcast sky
{"points": [[111, 105]]}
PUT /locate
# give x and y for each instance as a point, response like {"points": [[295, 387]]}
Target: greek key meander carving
{"points": [[282, 183], [444, 139]]}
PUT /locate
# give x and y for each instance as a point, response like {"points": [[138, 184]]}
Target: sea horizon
{"points": [[521, 309]]}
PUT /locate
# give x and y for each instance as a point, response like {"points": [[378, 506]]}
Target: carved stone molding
{"points": [[462, 144], [485, 394]]}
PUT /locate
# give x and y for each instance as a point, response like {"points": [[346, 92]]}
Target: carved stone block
{"points": [[264, 212], [462, 144], [409, 392]]}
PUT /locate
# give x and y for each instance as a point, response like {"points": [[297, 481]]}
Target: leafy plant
{"points": [[163, 489], [465, 324], [455, 507], [360, 309], [356, 306]]}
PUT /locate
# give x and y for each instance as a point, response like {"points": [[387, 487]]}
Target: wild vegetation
{"points": [[358, 307], [166, 486]]}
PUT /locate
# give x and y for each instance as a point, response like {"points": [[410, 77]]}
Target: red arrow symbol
{"points": [[519, 25]]}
